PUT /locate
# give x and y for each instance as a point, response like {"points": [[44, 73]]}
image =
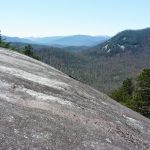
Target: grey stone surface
{"points": [[42, 108]]}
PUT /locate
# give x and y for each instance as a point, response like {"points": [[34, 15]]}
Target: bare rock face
{"points": [[41, 108]]}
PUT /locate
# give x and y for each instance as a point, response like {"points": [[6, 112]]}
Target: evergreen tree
{"points": [[138, 97], [142, 93], [128, 86], [3, 43], [28, 50], [124, 94]]}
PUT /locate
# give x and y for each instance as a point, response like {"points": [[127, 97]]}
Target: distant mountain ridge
{"points": [[81, 40], [16, 39], [61, 41], [131, 41]]}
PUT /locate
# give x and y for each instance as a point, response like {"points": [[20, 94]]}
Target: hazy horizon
{"points": [[32, 18], [28, 37], [56, 36]]}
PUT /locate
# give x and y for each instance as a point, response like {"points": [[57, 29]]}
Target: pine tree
{"points": [[142, 93], [124, 93], [128, 86], [28, 50]]}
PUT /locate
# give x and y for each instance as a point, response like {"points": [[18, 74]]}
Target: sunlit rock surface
{"points": [[42, 108]]}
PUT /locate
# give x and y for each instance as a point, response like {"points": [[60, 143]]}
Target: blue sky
{"points": [[68, 17]]}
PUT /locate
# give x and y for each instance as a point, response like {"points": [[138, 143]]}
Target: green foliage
{"points": [[142, 93], [135, 97], [124, 94], [28, 50], [128, 86], [3, 43]]}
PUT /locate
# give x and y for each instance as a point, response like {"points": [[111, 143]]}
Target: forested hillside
{"points": [[131, 41], [105, 66], [104, 71]]}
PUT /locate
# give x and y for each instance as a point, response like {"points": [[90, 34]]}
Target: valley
{"points": [[98, 68], [74, 75]]}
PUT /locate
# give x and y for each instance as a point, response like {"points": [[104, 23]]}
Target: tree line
{"points": [[27, 49], [135, 94]]}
